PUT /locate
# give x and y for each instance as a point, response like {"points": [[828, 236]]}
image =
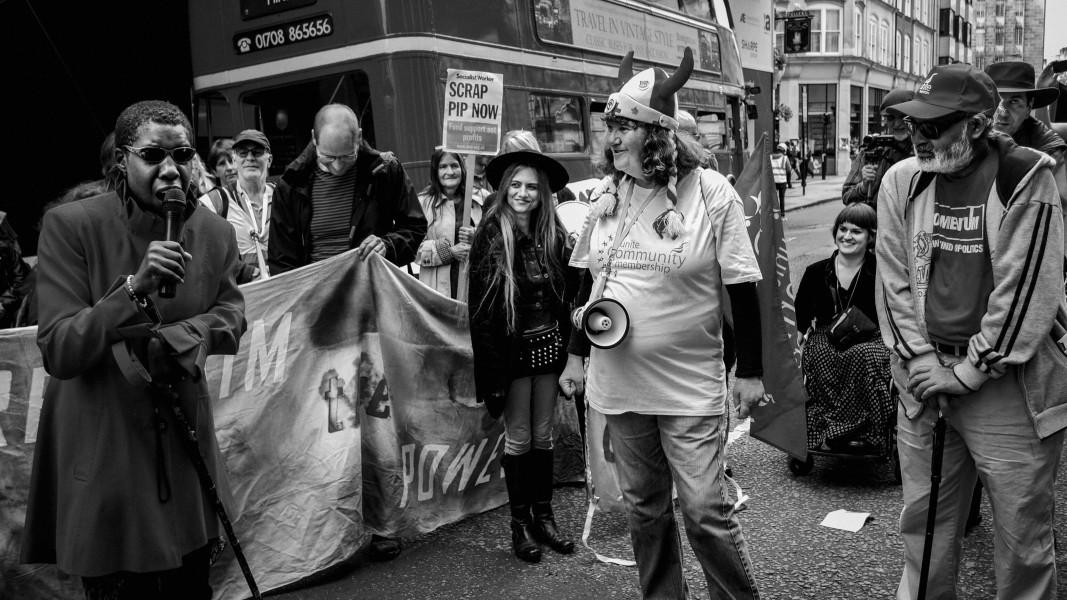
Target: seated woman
{"points": [[849, 403]]}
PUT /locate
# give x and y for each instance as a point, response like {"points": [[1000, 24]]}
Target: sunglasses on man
{"points": [[154, 155], [933, 128]]}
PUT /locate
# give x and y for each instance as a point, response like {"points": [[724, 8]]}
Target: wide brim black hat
{"points": [[557, 173]]}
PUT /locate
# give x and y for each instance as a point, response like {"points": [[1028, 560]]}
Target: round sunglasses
{"points": [[154, 154]]}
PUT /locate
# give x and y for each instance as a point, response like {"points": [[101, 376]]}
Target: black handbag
{"points": [[849, 326], [539, 348]]}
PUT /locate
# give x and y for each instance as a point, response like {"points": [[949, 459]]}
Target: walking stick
{"points": [[931, 515], [165, 393]]}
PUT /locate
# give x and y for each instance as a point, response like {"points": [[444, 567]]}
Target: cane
{"points": [[166, 394], [931, 515]]}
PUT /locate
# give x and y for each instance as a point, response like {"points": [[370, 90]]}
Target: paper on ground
{"points": [[846, 520]]}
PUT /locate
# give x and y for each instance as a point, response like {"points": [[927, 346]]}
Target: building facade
{"points": [[1009, 30], [860, 50]]}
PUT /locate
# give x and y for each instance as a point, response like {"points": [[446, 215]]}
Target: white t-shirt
{"points": [[671, 361]]}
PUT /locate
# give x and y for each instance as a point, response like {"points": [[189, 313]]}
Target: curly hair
{"points": [[154, 111], [130, 122], [549, 236], [658, 157]]}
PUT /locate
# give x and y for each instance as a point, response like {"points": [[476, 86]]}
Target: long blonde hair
{"points": [[549, 237]]}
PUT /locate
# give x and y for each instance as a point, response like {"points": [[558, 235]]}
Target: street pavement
{"points": [[794, 557]]}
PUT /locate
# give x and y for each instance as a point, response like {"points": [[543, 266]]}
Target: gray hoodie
{"points": [[1024, 226]]}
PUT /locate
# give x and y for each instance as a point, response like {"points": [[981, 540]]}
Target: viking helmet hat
{"points": [[651, 95]]}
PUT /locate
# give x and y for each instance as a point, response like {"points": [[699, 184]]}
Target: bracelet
{"points": [[141, 301]]}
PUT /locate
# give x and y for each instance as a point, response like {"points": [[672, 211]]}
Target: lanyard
{"points": [[620, 233], [257, 229]]}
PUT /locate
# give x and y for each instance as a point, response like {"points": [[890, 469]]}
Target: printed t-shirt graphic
{"points": [[671, 361]]}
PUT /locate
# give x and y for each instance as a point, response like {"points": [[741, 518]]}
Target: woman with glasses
{"points": [[114, 497], [520, 294], [447, 242]]}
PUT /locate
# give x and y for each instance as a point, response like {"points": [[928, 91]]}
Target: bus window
{"points": [[557, 123], [287, 114], [597, 129], [213, 121], [713, 132]]}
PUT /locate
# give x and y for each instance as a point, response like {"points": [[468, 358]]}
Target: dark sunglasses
{"points": [[154, 154], [256, 152], [933, 129]]}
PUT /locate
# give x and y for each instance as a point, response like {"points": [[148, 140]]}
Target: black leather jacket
{"points": [[538, 304]]}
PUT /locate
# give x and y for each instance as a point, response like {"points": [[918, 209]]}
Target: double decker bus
{"points": [[271, 64]]}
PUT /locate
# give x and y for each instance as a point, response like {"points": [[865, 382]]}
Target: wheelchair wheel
{"points": [[801, 467]]}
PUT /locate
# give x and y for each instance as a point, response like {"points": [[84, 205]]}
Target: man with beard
{"points": [[863, 180], [968, 265]]}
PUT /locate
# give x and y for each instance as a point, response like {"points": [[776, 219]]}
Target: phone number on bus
{"points": [[282, 34]]}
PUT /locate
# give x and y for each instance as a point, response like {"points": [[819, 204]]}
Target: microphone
{"points": [[174, 215]]}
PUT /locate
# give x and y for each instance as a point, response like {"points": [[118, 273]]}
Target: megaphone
{"points": [[605, 322]]}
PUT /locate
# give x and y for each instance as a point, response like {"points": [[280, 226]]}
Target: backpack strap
{"points": [[220, 200], [919, 183]]}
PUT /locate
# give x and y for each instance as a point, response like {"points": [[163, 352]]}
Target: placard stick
{"points": [[468, 195]]}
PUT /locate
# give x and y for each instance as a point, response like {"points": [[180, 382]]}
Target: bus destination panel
{"points": [[283, 34]]}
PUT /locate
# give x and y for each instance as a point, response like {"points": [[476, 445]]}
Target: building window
{"points": [[926, 58], [858, 47], [1018, 35], [1000, 9], [907, 8], [826, 30], [883, 43], [907, 54], [917, 51], [945, 22], [874, 114], [926, 12], [855, 113], [999, 36], [872, 39], [821, 123], [900, 42]]}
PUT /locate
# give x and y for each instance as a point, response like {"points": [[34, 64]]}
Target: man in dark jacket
{"points": [[1018, 97], [865, 178], [339, 194]]}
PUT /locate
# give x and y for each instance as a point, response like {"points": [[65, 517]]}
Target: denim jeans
{"points": [[651, 451], [988, 434], [528, 413]]}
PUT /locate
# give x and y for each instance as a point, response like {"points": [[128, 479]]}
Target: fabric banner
{"points": [[349, 409], [780, 420]]}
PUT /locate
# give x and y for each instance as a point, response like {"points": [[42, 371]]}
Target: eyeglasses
{"points": [[932, 130], [345, 159], [154, 155], [256, 152]]}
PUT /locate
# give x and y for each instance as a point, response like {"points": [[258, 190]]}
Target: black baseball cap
{"points": [[949, 89], [252, 136]]}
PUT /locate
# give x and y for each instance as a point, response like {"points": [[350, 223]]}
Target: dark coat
{"points": [[495, 349], [95, 504], [384, 203], [815, 300]]}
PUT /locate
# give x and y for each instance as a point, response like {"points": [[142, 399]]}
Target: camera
{"points": [[877, 147]]}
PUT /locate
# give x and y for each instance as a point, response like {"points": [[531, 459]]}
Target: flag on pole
{"points": [[780, 420]]}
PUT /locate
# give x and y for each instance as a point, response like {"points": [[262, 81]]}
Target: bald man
{"points": [[340, 194]]}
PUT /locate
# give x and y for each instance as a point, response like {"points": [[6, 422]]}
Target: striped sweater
{"points": [[1025, 233]]}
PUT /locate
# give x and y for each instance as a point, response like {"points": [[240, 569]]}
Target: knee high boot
{"points": [[544, 520], [517, 475]]}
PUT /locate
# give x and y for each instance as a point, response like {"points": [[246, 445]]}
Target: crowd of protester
{"points": [[963, 342]]}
